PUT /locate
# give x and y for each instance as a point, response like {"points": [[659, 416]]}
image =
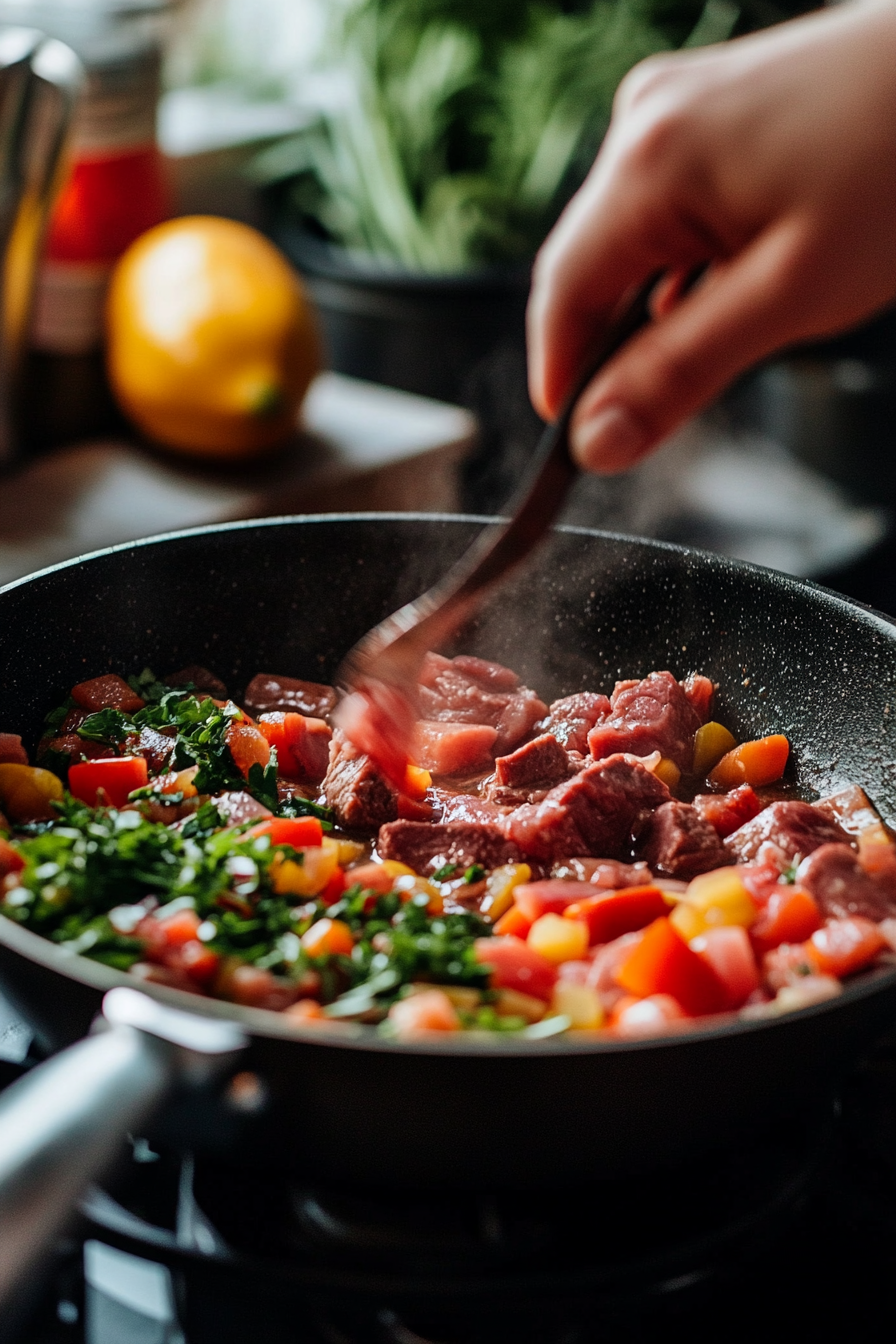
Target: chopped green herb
{"points": [[108, 726], [475, 873], [447, 870]]}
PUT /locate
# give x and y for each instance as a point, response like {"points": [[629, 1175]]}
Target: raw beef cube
{"points": [[464, 807], [538, 764], [725, 812], [266, 693], [471, 690], [239, 806], [653, 715], [841, 887], [794, 828], [200, 677], [446, 748], [572, 718], [608, 874], [426, 847], [598, 812], [851, 808], [358, 794], [109, 692], [699, 691], [157, 747], [678, 842]]}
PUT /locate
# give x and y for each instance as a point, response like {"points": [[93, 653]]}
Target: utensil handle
{"points": [[63, 1123]]}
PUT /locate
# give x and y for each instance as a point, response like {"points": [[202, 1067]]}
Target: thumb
{"points": [[743, 310]]}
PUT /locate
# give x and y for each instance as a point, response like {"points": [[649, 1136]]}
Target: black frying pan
{"points": [[292, 596]]}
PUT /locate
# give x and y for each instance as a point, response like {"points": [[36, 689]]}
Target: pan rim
{"points": [[267, 1024]]}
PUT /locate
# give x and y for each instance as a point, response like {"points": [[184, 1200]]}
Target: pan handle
{"points": [[64, 1122]]}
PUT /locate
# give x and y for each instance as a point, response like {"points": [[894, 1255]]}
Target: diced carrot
{"points": [[610, 914], [108, 692], [416, 781], [843, 946], [514, 923], [662, 963], [247, 746], [761, 761], [790, 915], [306, 1010], [328, 937], [179, 928]]}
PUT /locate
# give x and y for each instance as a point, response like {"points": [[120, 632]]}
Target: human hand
{"points": [[772, 159]]}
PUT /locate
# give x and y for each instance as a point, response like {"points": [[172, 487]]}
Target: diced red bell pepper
{"points": [[516, 965], [662, 963], [108, 692], [247, 746], [199, 961], [726, 811], [115, 776], [335, 888], [609, 914], [727, 951], [790, 915], [299, 832], [843, 946]]}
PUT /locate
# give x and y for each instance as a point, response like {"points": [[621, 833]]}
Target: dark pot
{"points": [[422, 333]]}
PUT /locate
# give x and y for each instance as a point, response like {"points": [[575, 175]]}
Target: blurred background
{"points": [[406, 157]]}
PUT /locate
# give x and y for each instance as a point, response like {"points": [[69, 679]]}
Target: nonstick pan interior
{"points": [[291, 596]]}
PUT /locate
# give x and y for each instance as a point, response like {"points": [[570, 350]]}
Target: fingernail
{"points": [[610, 440]]}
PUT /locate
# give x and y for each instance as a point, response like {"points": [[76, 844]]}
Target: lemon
{"points": [[211, 341]]}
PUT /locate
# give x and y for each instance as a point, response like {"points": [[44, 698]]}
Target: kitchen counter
{"points": [[360, 447]]}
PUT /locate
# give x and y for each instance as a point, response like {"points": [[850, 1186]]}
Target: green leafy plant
{"points": [[464, 127]]}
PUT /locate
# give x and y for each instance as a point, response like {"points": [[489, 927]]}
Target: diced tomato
{"points": [[790, 916], [612, 913], [107, 782], [452, 748], [247, 746], [761, 880], [662, 963], [843, 946], [729, 953], [109, 692], [295, 831], [179, 928], [273, 728], [786, 965], [516, 965], [11, 860], [250, 985], [726, 811], [373, 876], [199, 961], [646, 1017], [430, 1010], [550, 897], [759, 762], [11, 750], [335, 888], [328, 938]]}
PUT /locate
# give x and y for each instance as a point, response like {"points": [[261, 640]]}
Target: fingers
{"points": [[670, 370]]}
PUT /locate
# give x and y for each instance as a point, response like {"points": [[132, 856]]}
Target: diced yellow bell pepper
{"points": [[667, 772], [307, 878], [711, 743], [713, 899], [579, 1003], [409, 884], [559, 939], [514, 1003], [350, 851], [396, 869], [499, 888], [26, 792]]}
